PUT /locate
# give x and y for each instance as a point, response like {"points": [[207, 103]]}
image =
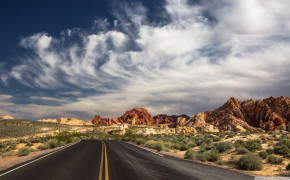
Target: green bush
{"points": [[213, 156], [288, 167], [251, 145], [190, 154], [201, 157], [263, 154], [286, 142], [242, 150], [270, 151], [158, 146], [250, 161], [274, 159], [44, 146], [8, 153], [140, 141], [223, 146], [231, 134], [219, 162], [24, 151], [281, 149], [184, 147], [53, 143]]}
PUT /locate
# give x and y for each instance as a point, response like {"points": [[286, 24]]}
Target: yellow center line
{"points": [[106, 164], [101, 164]]}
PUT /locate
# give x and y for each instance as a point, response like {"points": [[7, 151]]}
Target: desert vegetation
{"points": [[264, 153]]}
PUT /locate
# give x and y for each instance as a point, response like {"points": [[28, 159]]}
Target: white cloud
{"points": [[190, 64]]}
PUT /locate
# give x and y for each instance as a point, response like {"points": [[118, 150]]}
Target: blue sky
{"points": [[78, 59]]}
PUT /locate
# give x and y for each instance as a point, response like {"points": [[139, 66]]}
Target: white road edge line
{"points": [[144, 148], [38, 159]]}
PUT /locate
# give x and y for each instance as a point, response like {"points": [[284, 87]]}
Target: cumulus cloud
{"points": [[204, 54]]}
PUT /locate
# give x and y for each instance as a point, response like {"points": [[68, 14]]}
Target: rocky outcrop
{"points": [[97, 120], [198, 122], [163, 119], [6, 117], [140, 115], [136, 116], [268, 114], [48, 120], [73, 121], [68, 121]]}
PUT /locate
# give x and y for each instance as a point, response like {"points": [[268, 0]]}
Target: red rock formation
{"points": [[97, 120], [133, 116], [140, 115], [267, 114], [163, 119]]}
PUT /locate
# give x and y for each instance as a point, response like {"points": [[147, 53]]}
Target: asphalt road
{"points": [[114, 160]]}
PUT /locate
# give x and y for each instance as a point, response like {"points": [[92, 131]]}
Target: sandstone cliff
{"points": [[68, 121], [268, 114]]}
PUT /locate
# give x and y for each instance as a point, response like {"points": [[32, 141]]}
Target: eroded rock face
{"points": [[140, 115], [134, 116], [97, 120], [268, 114], [163, 119]]}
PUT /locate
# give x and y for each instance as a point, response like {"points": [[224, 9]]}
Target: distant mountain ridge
{"points": [[268, 114]]}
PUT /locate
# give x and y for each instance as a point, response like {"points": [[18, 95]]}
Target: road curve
{"points": [[115, 160]]}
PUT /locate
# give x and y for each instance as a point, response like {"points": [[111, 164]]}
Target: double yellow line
{"points": [[104, 153]]}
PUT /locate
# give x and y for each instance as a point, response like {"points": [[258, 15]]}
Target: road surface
{"points": [[114, 160]]}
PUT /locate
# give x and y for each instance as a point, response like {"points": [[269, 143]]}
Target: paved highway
{"points": [[114, 160]]}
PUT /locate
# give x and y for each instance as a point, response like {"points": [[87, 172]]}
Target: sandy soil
{"points": [[11, 161]]}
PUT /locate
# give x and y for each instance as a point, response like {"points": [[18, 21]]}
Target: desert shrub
{"points": [[204, 149], [281, 149], [24, 151], [61, 143], [263, 154], [154, 145], [231, 134], [129, 135], [201, 157], [286, 142], [190, 154], [158, 146], [213, 156], [192, 144], [184, 147], [8, 153], [270, 151], [287, 156], [44, 146], [288, 167], [220, 162], [216, 139], [53, 143], [242, 150], [223, 146], [274, 159], [251, 145], [12, 147], [140, 141], [29, 144], [177, 146], [250, 161]]}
